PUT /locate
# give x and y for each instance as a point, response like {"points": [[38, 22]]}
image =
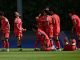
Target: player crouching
{"points": [[69, 47], [43, 38]]}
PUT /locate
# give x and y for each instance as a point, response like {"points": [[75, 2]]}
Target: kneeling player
{"points": [[43, 38]]}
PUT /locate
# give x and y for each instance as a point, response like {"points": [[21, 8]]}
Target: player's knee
{"points": [[18, 38]]}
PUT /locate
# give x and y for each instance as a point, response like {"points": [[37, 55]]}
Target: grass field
{"points": [[30, 54]]}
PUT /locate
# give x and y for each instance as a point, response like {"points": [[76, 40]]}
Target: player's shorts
{"points": [[5, 35], [18, 34]]}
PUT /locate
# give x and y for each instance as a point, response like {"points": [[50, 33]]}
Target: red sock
{"points": [[3, 44], [78, 44], [7, 44], [57, 44]]}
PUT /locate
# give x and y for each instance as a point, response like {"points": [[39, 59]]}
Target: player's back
{"points": [[4, 24], [56, 19]]}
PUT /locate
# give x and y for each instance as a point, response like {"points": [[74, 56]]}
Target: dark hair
{"points": [[48, 12], [1, 13]]}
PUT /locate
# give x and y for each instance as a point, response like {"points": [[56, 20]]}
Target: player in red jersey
{"points": [[56, 28], [73, 45], [48, 26], [40, 21], [43, 38], [76, 26], [66, 45], [18, 29], [5, 29]]}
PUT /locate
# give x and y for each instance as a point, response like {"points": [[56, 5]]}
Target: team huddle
{"points": [[47, 31]]}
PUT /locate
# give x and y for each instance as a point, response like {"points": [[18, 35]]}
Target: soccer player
{"points": [[5, 29], [73, 45], [48, 26], [76, 26], [18, 29], [66, 44], [40, 21], [43, 38], [56, 28]]}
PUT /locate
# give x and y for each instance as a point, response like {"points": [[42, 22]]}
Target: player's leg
{"points": [[3, 42], [6, 41], [19, 41], [78, 41], [57, 42], [36, 44]]}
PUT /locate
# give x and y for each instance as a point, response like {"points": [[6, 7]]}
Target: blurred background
{"points": [[29, 9]]}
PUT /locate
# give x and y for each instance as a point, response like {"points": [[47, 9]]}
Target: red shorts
{"points": [[5, 35], [18, 34]]}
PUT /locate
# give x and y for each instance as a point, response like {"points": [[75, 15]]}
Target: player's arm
{"points": [[74, 22], [9, 26], [38, 16], [23, 29], [17, 26]]}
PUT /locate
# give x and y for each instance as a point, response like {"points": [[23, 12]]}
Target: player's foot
{"points": [[36, 49], [7, 50], [59, 49], [20, 49]]}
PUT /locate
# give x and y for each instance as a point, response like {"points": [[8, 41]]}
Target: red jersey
{"points": [[77, 27], [18, 25], [40, 22], [42, 36], [48, 25], [5, 26], [56, 24]]}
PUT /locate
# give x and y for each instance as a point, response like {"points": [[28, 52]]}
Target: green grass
{"points": [[29, 54]]}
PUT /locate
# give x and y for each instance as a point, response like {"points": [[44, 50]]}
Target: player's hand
{"points": [[24, 29]]}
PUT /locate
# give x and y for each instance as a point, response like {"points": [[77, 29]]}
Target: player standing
{"points": [[5, 29], [18, 29], [56, 28], [76, 26]]}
